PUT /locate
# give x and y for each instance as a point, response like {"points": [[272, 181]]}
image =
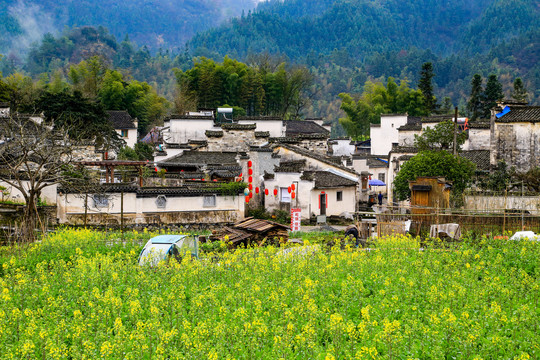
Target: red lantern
{"points": [[250, 179], [250, 171], [266, 191], [251, 195], [247, 199], [240, 176], [250, 186], [275, 192], [293, 187], [289, 189], [257, 190], [250, 163], [215, 180], [293, 195]]}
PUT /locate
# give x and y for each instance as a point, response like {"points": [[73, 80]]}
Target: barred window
{"points": [[209, 201], [161, 202], [101, 201]]}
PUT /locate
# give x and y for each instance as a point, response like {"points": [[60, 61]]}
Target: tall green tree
{"points": [[376, 99], [519, 93], [492, 94], [426, 87], [434, 163], [84, 118], [476, 98]]}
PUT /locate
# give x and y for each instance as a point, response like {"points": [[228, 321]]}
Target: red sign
{"points": [[296, 216]]}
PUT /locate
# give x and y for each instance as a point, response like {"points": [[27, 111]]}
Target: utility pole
{"points": [[455, 131]]}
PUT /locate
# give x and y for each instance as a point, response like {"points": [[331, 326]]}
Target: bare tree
{"points": [[32, 157]]}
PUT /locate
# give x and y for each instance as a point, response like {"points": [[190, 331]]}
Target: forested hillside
{"points": [[344, 45], [347, 42], [157, 23]]}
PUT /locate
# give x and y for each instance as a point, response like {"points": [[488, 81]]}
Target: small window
{"points": [[381, 177], [285, 195], [124, 133], [339, 196], [161, 202], [101, 201], [209, 201]]}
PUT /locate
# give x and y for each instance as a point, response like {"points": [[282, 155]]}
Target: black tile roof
{"points": [[189, 117], [304, 127], [326, 179], [411, 127], [404, 149], [437, 118], [480, 157], [521, 114], [262, 134], [235, 126], [121, 120], [214, 133], [376, 162], [322, 158], [260, 149], [268, 118], [295, 166], [199, 158]]}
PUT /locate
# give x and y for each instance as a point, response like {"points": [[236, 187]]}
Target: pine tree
{"points": [[493, 93], [519, 93], [425, 85], [476, 99]]}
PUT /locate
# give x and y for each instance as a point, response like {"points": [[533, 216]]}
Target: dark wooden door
{"points": [[322, 202]]}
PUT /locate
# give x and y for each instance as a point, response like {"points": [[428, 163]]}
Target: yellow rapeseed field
{"points": [[79, 294]]}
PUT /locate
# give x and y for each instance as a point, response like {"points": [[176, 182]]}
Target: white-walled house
{"points": [[125, 126], [323, 186], [193, 204], [316, 192], [383, 135]]}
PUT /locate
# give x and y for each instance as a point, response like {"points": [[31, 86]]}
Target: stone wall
{"points": [[518, 144], [233, 139]]}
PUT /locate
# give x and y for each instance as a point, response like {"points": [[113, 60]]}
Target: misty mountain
{"points": [[155, 23]]}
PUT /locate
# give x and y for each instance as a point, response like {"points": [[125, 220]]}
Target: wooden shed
{"points": [[429, 193]]}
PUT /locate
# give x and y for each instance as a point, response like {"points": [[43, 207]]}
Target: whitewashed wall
{"points": [[384, 135], [137, 208], [183, 130], [48, 194]]}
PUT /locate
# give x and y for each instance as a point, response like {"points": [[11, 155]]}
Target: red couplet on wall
{"points": [[256, 190], [250, 172], [250, 163], [275, 192], [266, 191], [293, 187]]}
